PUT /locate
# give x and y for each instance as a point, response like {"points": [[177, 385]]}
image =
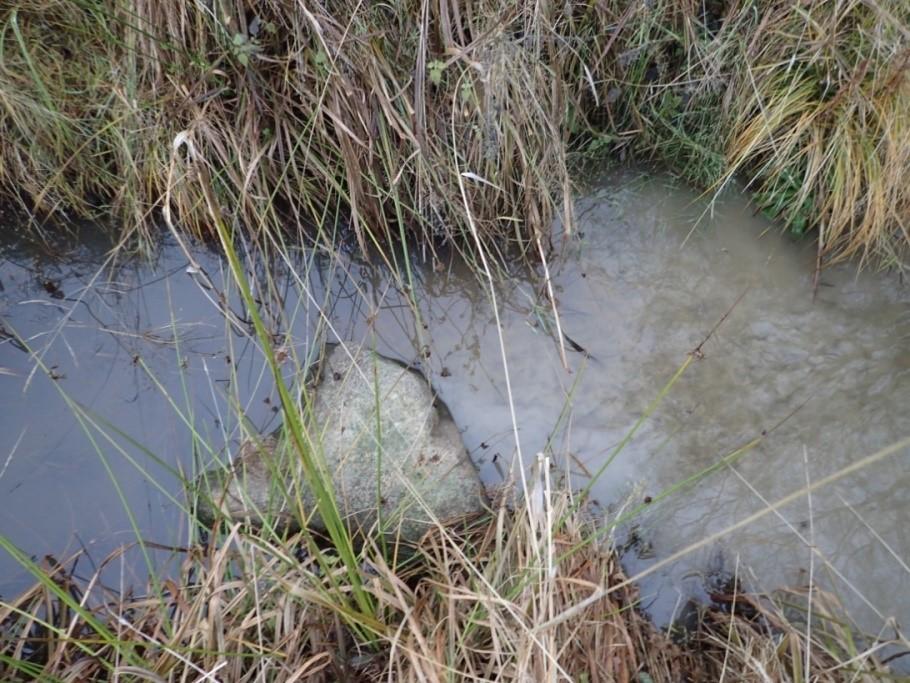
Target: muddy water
{"points": [[648, 276]]}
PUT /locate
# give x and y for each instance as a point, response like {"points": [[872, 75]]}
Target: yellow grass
{"points": [[483, 602], [364, 117]]}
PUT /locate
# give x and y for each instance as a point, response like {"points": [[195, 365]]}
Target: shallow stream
{"points": [[821, 379]]}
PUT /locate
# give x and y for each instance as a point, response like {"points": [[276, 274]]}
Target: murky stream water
{"points": [[640, 286]]}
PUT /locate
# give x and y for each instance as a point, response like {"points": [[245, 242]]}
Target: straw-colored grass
{"points": [[822, 119], [371, 113], [483, 604]]}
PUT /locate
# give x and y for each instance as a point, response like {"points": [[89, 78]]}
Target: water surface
{"points": [[824, 374]]}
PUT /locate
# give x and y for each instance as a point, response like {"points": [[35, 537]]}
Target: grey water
{"points": [[149, 365]]}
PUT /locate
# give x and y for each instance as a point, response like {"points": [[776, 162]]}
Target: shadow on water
{"points": [[648, 274]]}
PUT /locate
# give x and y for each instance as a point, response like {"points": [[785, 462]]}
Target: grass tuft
{"points": [[374, 114], [483, 604]]}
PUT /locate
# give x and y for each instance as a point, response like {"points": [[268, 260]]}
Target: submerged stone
{"points": [[394, 455]]}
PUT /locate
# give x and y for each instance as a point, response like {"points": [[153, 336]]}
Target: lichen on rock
{"points": [[393, 454]]}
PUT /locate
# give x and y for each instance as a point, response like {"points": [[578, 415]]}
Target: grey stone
{"points": [[383, 436]]}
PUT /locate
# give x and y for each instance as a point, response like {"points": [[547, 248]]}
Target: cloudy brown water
{"points": [[650, 272]]}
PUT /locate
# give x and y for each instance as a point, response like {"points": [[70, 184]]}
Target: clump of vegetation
{"points": [[821, 122], [491, 599], [429, 121]]}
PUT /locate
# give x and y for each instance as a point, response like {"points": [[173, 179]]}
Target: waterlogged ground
{"points": [[142, 353]]}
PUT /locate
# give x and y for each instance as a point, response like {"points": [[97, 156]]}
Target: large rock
{"points": [[383, 436]]}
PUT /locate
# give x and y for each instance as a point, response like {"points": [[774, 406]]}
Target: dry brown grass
{"points": [[753, 638], [369, 114], [821, 116], [482, 604]]}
